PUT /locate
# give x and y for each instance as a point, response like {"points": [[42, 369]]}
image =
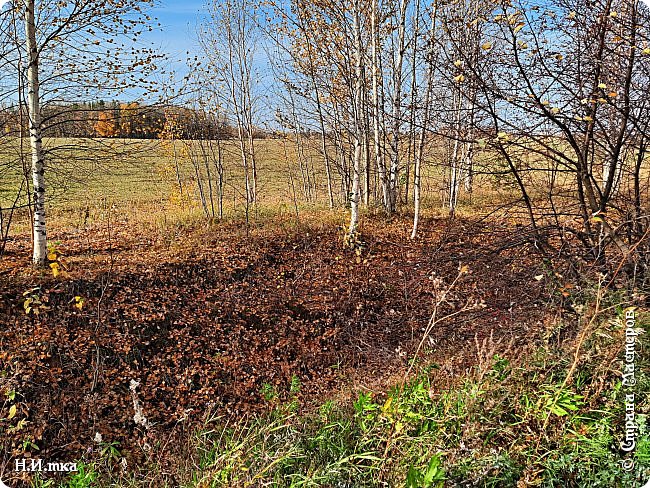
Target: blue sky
{"points": [[179, 20], [177, 34]]}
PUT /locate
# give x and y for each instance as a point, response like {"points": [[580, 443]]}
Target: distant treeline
{"points": [[123, 120]]}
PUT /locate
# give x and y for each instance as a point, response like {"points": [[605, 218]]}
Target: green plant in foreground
{"points": [[433, 476], [268, 392], [84, 477]]}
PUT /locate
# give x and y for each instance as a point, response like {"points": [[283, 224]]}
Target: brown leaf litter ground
{"points": [[217, 317]]}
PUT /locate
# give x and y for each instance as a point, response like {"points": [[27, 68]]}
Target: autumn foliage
{"points": [[105, 125]]}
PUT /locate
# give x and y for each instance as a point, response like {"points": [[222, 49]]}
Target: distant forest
{"points": [[123, 120]]}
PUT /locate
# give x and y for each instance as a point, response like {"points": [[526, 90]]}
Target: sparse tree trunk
{"points": [[342, 166], [194, 159], [312, 74], [358, 125], [218, 162], [300, 151], [412, 139], [35, 138], [229, 42], [454, 180], [419, 150], [238, 112], [398, 61], [474, 36], [177, 168], [328, 170], [377, 108], [253, 156], [366, 147], [208, 173]]}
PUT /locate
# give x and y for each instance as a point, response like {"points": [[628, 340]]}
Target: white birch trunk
{"points": [[608, 167], [455, 177], [417, 177], [237, 108], [474, 41], [35, 137], [469, 168], [358, 126], [397, 105], [381, 170]]}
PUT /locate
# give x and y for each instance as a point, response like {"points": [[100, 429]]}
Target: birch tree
{"points": [[65, 47], [229, 43], [431, 61], [313, 73], [35, 136], [463, 26], [397, 78], [378, 104], [357, 119]]}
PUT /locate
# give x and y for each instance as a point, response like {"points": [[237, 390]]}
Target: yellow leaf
{"points": [[613, 14], [458, 63], [79, 302], [12, 412], [55, 269], [559, 57], [19, 426], [487, 46], [512, 18], [387, 405], [555, 110], [646, 50], [602, 86], [459, 78], [612, 94], [572, 15], [464, 269], [52, 256]]}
